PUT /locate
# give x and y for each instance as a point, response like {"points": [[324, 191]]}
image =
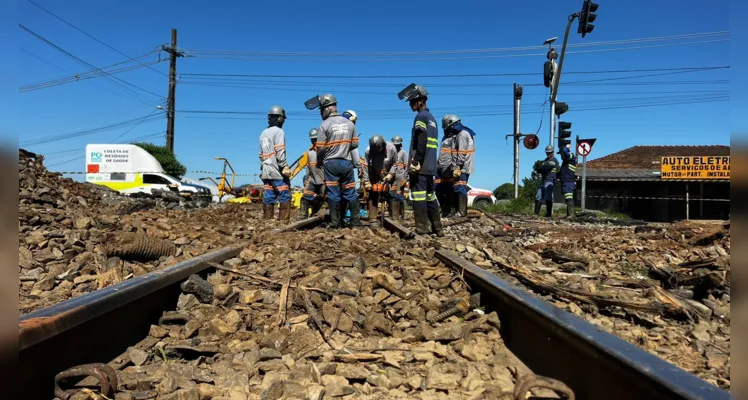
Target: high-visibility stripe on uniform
{"points": [[418, 196], [568, 196], [432, 143], [421, 124]]}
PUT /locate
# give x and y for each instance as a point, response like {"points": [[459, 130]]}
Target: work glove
{"points": [[388, 178], [414, 167], [367, 185], [286, 171], [456, 173]]}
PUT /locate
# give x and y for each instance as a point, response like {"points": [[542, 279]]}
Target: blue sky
{"points": [[619, 110]]}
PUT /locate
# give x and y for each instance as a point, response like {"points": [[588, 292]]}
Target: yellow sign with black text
{"points": [[700, 167]]}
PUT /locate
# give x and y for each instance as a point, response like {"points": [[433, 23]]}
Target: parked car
{"points": [[477, 197]]}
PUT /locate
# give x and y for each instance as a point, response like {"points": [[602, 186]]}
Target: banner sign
{"points": [[695, 167]]}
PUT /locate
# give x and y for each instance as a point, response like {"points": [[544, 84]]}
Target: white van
{"points": [[127, 169]]}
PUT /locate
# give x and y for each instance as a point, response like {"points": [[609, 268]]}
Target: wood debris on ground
{"points": [[662, 287]]}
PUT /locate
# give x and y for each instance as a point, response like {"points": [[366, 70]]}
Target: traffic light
{"points": [[587, 17], [561, 108], [564, 133], [547, 74]]}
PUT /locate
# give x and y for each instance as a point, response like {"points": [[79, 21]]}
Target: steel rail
{"points": [[555, 343], [101, 325]]}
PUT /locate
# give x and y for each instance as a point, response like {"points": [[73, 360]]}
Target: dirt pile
{"points": [[303, 316], [662, 287]]}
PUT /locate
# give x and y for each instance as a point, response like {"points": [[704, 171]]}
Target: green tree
{"points": [[504, 192], [530, 185], [165, 157]]}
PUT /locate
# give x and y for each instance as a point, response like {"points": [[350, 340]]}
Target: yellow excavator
{"points": [[224, 187]]}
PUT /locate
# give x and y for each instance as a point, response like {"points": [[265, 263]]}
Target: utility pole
{"points": [[550, 78], [517, 101], [170, 102]]}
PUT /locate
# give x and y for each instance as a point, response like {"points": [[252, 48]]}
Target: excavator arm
{"points": [[299, 165]]}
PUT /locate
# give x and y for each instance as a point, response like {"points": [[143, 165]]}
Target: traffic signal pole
{"points": [[517, 101]]}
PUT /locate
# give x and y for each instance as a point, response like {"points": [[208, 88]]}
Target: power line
{"points": [[275, 83], [84, 63], [51, 154], [620, 71], [466, 51], [136, 125], [464, 107], [82, 77], [153, 135], [85, 132], [92, 37], [384, 60], [68, 72], [704, 100]]}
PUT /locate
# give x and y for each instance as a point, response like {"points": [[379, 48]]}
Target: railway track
{"points": [[99, 327]]}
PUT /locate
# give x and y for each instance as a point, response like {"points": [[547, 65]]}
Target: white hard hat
{"points": [[351, 115]]}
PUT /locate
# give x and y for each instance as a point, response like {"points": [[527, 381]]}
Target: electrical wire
{"points": [[370, 112], [620, 71], [703, 35], [92, 37], [55, 138], [88, 65], [153, 135], [81, 77], [106, 89], [703, 100], [387, 60], [51, 154]]}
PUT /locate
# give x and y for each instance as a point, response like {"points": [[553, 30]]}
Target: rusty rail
{"points": [[101, 325], [557, 344]]}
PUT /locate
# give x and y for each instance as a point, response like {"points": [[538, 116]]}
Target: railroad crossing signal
{"points": [[564, 132], [587, 16], [584, 146]]}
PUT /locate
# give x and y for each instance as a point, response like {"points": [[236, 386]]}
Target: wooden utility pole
{"points": [[173, 55]]}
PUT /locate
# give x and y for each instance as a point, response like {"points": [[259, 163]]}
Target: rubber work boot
{"points": [[372, 209], [395, 210], [334, 215], [355, 207], [462, 204], [316, 205], [436, 221], [423, 225], [402, 211], [342, 208], [570, 211], [537, 207], [268, 211], [284, 214], [548, 209], [303, 208]]}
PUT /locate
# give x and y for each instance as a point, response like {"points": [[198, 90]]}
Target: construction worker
{"points": [[568, 176], [336, 140], [354, 157], [380, 166], [463, 154], [314, 186], [422, 164], [547, 170], [397, 206], [444, 181], [275, 170]]}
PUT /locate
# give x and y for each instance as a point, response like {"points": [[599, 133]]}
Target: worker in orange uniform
{"points": [[444, 180], [314, 187], [379, 167], [275, 170], [464, 160], [397, 205]]}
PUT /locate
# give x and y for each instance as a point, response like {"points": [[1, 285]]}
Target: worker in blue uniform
{"points": [[547, 169], [568, 177], [424, 144]]}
